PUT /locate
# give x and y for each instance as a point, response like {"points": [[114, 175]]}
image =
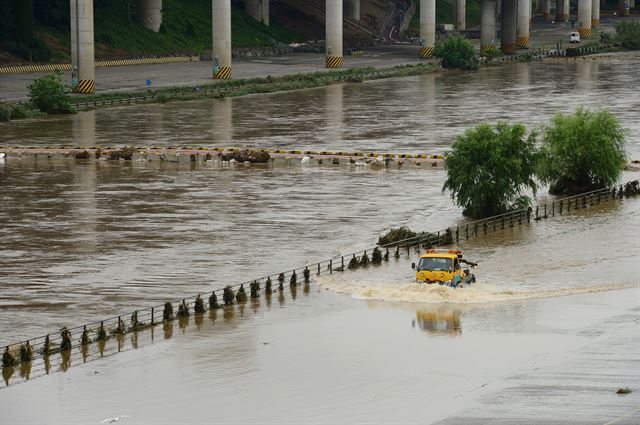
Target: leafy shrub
{"points": [[49, 94], [582, 151], [628, 34], [607, 38], [490, 167], [5, 112], [492, 53], [456, 52]]}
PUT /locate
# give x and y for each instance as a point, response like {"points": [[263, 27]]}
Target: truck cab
{"points": [[443, 267]]}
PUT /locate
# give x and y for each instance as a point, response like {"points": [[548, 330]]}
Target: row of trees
{"points": [[491, 169]]}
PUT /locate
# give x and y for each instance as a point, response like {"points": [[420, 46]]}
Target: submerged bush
{"points": [[241, 296], [582, 151], [376, 256], [213, 301], [198, 306], [489, 169], [167, 313], [228, 296]]}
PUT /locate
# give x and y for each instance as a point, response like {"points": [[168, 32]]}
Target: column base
{"points": [[484, 48], [333, 61], [85, 87], [585, 32], [426, 52], [224, 73], [565, 17], [508, 48], [595, 23], [522, 41]]}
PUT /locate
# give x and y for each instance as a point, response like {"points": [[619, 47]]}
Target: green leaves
{"points": [[581, 152], [628, 34], [489, 169], [456, 52], [49, 94]]}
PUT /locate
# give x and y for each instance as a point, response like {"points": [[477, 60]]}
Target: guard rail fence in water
{"points": [[102, 330]]}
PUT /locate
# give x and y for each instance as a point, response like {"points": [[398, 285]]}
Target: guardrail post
{"points": [[342, 264], [318, 269], [475, 229], [330, 266], [484, 226], [568, 206], [537, 216], [561, 207], [457, 234], [553, 209], [584, 202], [467, 232], [152, 315], [545, 211]]}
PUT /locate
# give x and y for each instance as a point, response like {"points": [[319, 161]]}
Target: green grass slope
{"points": [[186, 28]]}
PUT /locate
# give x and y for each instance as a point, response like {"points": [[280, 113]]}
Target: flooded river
{"points": [[85, 240]]}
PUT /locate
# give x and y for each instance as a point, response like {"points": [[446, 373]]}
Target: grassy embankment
{"points": [[267, 85], [186, 29]]}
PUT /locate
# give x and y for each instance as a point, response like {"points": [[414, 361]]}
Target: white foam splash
{"points": [[478, 293]]}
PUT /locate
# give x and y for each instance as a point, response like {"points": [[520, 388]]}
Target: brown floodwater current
{"points": [[83, 240]]}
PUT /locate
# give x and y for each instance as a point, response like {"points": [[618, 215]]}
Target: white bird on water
{"points": [[116, 419], [305, 160], [2, 155]]}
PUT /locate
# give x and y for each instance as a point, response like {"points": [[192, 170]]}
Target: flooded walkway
{"points": [[555, 305]]}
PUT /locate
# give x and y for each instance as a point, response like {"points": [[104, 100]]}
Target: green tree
{"points": [[49, 94], [582, 151], [456, 52], [628, 34], [489, 169]]}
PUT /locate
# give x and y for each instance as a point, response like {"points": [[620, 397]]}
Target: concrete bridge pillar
{"points": [[258, 10], [595, 13], [427, 27], [546, 9], [352, 9], [83, 73], [584, 18], [623, 7], [566, 10], [221, 52], [460, 13], [333, 29], [487, 26], [524, 19], [508, 26], [150, 14]]}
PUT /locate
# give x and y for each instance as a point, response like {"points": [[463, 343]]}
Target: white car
{"points": [[574, 37]]}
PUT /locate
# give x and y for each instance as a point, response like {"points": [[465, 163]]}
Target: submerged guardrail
{"points": [[102, 330]]}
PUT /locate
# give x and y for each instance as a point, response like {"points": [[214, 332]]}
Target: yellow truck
{"points": [[443, 267]]}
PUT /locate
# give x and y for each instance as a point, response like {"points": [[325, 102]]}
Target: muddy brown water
{"points": [[84, 240]]}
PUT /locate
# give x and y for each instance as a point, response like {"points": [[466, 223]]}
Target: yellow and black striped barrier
{"points": [[508, 48], [357, 52], [333, 61], [34, 68], [522, 41], [595, 23], [426, 52], [98, 64], [85, 87], [584, 32], [486, 48], [224, 73]]}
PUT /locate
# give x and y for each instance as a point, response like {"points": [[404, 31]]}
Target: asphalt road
{"points": [[124, 78]]}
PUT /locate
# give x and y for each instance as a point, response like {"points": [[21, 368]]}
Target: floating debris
{"points": [[102, 333], [26, 353], [294, 279], [353, 263], [255, 289], [267, 286], [65, 344], [8, 360], [281, 281], [306, 274], [364, 260], [625, 390]]}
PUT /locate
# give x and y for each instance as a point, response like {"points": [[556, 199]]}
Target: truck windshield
{"points": [[434, 263]]}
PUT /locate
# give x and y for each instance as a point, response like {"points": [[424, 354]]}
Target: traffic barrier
{"points": [[98, 64]]}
